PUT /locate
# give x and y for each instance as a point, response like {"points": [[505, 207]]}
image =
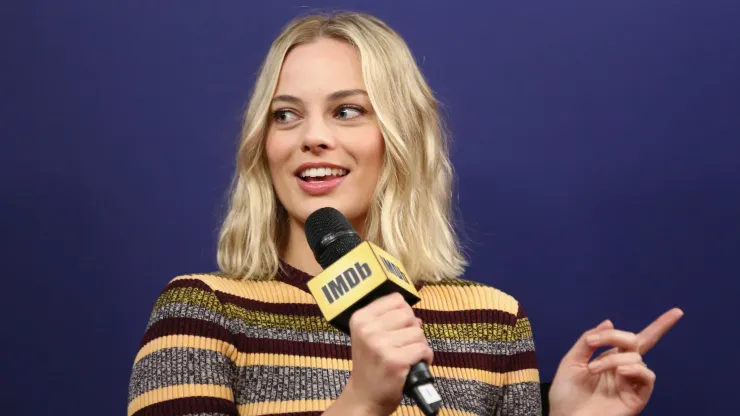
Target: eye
{"points": [[349, 112], [284, 116]]}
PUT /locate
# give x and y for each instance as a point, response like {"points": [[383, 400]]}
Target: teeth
{"points": [[321, 172]]}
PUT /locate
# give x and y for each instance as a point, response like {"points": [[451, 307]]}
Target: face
{"points": [[324, 146]]}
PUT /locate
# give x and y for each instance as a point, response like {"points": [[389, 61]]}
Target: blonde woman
{"points": [[341, 116]]}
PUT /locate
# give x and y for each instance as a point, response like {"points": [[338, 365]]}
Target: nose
{"points": [[317, 136]]}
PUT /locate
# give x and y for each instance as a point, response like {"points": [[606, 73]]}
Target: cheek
{"points": [[277, 154], [373, 153]]}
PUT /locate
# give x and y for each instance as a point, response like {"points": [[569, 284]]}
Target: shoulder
{"points": [[218, 290], [461, 294], [206, 304]]}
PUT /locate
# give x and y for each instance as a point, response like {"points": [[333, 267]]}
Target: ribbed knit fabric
{"points": [[216, 346]]}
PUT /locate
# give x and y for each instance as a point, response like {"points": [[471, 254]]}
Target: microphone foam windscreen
{"points": [[329, 222]]}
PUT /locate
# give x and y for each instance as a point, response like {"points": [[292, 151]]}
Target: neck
{"points": [[298, 253]]}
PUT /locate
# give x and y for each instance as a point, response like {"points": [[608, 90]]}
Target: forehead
{"points": [[320, 67]]}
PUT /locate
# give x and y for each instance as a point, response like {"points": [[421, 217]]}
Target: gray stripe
{"points": [[442, 345], [173, 366], [484, 347], [280, 383], [522, 399], [180, 310], [285, 334]]}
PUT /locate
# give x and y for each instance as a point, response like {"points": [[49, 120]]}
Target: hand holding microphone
{"points": [[387, 340], [365, 292]]}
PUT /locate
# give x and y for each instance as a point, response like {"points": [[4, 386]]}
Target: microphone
{"points": [[355, 274]]}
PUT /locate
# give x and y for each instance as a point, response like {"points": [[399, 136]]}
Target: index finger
{"points": [[385, 304], [651, 334]]}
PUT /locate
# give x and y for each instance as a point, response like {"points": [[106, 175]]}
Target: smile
{"points": [[320, 179], [321, 174]]}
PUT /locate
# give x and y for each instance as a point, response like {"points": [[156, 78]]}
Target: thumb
{"points": [[581, 352]]}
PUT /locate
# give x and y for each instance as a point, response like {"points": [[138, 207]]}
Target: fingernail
{"points": [[592, 339], [594, 365]]}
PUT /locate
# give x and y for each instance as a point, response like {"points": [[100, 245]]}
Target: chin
{"points": [[306, 208]]}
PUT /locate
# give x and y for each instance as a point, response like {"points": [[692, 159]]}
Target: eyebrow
{"points": [[337, 95]]}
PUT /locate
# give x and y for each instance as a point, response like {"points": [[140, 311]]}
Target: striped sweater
{"points": [[217, 346]]}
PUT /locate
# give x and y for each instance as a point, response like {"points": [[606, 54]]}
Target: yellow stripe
{"points": [[180, 391], [434, 297], [472, 332], [284, 360], [288, 406], [282, 321], [270, 291], [185, 341], [524, 376], [457, 298], [296, 406], [483, 376]]}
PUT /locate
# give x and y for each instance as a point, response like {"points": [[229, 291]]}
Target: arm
{"points": [[522, 395], [184, 365]]}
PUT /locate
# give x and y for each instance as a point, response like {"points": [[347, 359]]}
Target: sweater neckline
{"points": [[298, 278], [293, 276]]}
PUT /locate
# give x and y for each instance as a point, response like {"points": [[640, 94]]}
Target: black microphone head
{"points": [[330, 235]]}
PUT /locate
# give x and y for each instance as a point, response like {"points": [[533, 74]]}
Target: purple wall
{"points": [[597, 146]]}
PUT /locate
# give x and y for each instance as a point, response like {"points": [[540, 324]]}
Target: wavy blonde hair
{"points": [[412, 214]]}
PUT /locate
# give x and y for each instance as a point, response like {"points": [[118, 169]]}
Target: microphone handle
{"points": [[419, 386]]}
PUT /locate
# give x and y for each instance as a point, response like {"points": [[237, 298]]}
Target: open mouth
{"points": [[322, 174]]}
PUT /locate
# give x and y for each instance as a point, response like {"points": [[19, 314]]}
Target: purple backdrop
{"points": [[597, 146]]}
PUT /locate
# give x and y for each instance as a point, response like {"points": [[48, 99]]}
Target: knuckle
{"points": [[422, 338], [364, 332], [430, 353], [356, 320], [393, 364], [397, 298], [379, 345]]}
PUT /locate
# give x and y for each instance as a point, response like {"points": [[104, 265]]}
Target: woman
{"points": [[341, 117]]}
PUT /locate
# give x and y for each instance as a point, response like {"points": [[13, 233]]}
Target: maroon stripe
{"points": [[521, 313], [298, 348], [496, 363], [189, 405], [470, 316], [188, 283], [488, 362], [186, 326]]}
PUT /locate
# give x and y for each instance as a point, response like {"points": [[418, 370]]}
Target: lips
{"points": [[320, 187], [320, 174], [320, 178]]}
